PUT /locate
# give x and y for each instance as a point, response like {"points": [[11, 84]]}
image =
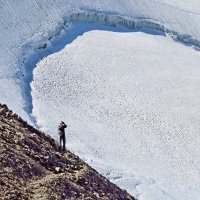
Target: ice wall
{"points": [[133, 23]]}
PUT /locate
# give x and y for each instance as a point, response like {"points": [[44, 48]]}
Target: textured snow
{"points": [[128, 106], [26, 26], [189, 6], [31, 30]]}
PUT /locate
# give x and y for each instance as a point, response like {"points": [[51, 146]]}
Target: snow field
{"points": [[131, 104], [26, 26]]}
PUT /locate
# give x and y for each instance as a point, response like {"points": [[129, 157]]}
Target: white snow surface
{"points": [[131, 104], [132, 115], [25, 26]]}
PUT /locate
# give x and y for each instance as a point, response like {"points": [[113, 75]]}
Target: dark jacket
{"points": [[61, 128]]}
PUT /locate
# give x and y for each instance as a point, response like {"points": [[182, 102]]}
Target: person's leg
{"points": [[64, 142], [60, 142]]}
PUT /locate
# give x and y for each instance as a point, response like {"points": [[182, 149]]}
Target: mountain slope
{"points": [[32, 30], [32, 167]]}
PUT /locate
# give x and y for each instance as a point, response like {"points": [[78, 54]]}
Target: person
{"points": [[61, 132]]}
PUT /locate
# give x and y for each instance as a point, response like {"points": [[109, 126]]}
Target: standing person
{"points": [[61, 132]]}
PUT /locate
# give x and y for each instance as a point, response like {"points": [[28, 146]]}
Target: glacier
{"points": [[32, 30], [26, 26]]}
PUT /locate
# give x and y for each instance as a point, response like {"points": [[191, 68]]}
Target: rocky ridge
{"points": [[32, 167]]}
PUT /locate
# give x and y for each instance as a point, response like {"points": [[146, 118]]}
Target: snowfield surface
{"points": [[189, 6], [131, 99], [29, 26], [132, 103]]}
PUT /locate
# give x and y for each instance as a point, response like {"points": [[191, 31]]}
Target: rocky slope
{"points": [[32, 167]]}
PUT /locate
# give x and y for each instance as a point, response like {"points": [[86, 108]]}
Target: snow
{"points": [[189, 6], [128, 106], [32, 30], [28, 25]]}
